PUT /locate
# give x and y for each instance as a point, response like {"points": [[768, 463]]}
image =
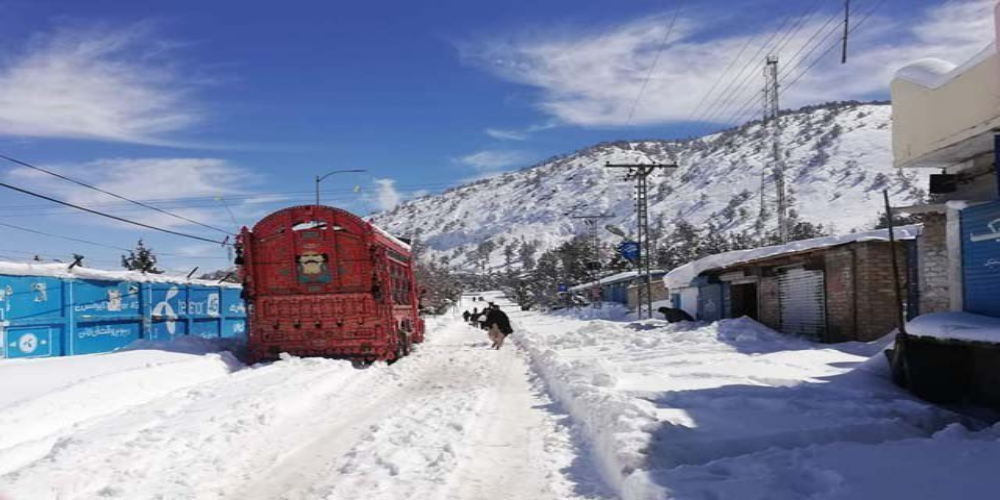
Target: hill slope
{"points": [[838, 161]]}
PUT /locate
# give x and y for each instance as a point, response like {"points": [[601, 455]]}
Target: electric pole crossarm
{"points": [[640, 174]]}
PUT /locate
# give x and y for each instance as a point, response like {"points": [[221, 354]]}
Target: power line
{"points": [[729, 91], [750, 104], [109, 216], [189, 201], [722, 77], [43, 233], [94, 243], [25, 212], [656, 59], [722, 111], [828, 50], [109, 193]]}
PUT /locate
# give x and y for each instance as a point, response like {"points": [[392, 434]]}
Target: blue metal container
{"points": [[47, 316], [981, 258]]}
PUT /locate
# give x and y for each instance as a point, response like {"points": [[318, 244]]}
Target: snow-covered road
{"points": [[639, 411], [455, 420]]}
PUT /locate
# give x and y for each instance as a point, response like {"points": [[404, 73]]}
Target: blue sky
{"points": [[189, 101]]}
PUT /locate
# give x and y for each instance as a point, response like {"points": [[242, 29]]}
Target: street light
{"points": [[319, 178], [616, 230]]}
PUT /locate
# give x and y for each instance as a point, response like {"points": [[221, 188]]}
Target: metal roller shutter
{"points": [[981, 258], [802, 298]]}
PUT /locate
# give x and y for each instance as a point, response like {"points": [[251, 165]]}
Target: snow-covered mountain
{"points": [[838, 160]]}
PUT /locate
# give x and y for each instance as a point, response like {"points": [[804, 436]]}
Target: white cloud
{"points": [[518, 134], [190, 184], [506, 134], [494, 160], [387, 196], [592, 78], [115, 85]]}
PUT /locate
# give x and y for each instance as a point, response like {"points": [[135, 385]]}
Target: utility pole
{"points": [[772, 117], [762, 215], [640, 174], [847, 22], [591, 221]]}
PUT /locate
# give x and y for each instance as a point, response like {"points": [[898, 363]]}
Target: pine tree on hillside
{"points": [[141, 259], [897, 220], [509, 252], [526, 254]]}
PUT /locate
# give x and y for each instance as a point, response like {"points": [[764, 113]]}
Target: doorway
{"points": [[744, 300]]}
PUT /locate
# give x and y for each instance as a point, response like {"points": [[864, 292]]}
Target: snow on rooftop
{"points": [[614, 278], [932, 73], [956, 326], [61, 270], [681, 277], [392, 238]]}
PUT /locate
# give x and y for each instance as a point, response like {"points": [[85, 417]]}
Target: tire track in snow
{"points": [[465, 424], [455, 420]]}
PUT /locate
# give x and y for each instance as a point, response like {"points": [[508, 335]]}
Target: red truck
{"points": [[321, 281]]}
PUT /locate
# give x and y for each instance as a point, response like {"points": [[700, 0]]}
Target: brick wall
{"points": [[876, 300], [932, 257], [770, 314], [840, 304]]}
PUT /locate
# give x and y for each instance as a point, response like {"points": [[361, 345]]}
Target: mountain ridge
{"points": [[837, 156]]}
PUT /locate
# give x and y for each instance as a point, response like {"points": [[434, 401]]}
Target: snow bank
{"points": [[608, 311], [956, 326], [615, 424], [654, 398], [41, 399], [59, 270], [682, 276], [910, 469]]}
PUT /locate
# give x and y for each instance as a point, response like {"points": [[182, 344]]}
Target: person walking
{"points": [[465, 315], [473, 318], [498, 325]]}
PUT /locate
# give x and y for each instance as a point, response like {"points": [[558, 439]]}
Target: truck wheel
{"points": [[399, 351], [361, 364]]}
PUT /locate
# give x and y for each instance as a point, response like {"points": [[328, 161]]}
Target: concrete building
{"points": [[946, 117]]}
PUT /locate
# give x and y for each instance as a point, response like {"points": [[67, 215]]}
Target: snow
{"points": [[956, 326], [59, 270], [614, 278], [390, 237], [43, 400], [839, 161], [928, 72], [932, 72], [454, 420], [581, 405], [735, 410], [681, 277]]}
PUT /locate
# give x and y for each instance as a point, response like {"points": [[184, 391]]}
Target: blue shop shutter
{"points": [[710, 305], [981, 258]]}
